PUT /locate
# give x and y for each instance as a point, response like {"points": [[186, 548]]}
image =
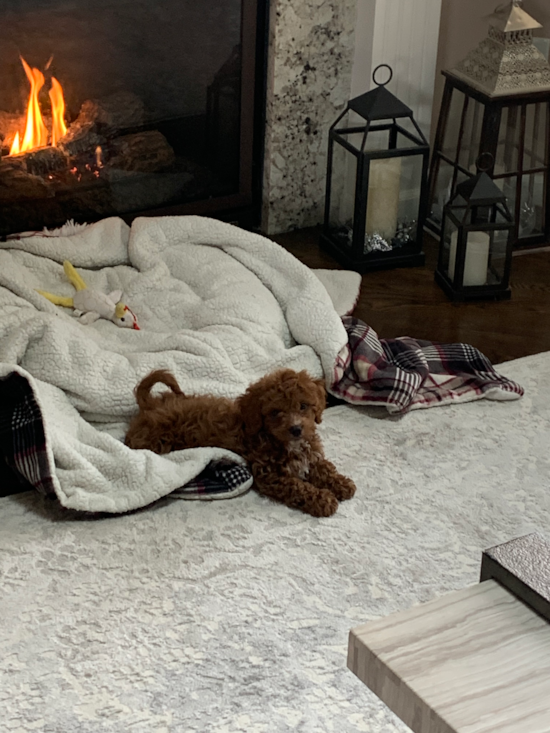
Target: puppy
{"points": [[273, 425]]}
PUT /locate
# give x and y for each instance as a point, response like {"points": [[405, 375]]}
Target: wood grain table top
{"points": [[473, 661]]}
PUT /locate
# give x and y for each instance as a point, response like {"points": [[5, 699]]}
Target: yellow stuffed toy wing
{"points": [[76, 281], [57, 299], [72, 275]]}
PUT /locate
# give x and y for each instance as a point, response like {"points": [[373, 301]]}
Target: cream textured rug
{"points": [[231, 616]]}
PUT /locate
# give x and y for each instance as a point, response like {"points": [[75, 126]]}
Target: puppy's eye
{"points": [[303, 406], [275, 413]]}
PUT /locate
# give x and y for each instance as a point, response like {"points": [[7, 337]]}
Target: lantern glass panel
{"points": [[402, 141], [508, 186], [452, 129], [378, 139], [476, 261], [409, 199], [500, 215], [497, 256], [352, 128], [534, 153], [448, 248], [446, 184], [342, 194], [531, 215], [508, 141], [393, 199], [468, 153]]}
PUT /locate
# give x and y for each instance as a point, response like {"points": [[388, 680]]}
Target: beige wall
{"points": [[463, 25]]}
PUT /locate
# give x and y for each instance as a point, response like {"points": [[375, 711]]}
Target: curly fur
{"points": [[273, 425]]}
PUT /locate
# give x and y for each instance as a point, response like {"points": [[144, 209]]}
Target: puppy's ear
{"points": [[251, 411], [320, 399]]}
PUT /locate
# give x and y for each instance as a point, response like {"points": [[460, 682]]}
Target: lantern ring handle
{"points": [[383, 83], [489, 162]]}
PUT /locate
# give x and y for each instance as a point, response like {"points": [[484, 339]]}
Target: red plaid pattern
{"points": [[405, 373]]}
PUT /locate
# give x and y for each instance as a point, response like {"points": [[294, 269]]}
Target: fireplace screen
{"points": [[120, 107]]}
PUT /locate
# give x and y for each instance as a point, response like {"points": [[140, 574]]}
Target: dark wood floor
{"points": [[407, 302]]}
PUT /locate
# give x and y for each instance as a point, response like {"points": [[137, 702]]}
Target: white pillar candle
{"points": [[477, 258], [383, 197]]}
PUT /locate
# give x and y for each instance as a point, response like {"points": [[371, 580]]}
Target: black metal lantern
{"points": [[475, 251], [376, 195], [497, 100]]}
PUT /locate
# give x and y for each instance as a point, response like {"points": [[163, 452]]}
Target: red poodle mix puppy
{"points": [[272, 425]]}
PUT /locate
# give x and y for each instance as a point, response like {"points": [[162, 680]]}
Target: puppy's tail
{"points": [[143, 390]]}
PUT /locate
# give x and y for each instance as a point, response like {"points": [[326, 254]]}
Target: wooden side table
{"points": [[473, 661]]}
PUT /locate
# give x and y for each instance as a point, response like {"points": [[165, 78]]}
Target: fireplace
{"points": [[128, 107]]}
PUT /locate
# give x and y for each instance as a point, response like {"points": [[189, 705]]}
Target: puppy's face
{"points": [[286, 405]]}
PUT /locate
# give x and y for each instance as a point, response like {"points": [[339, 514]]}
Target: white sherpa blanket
{"points": [[217, 305]]}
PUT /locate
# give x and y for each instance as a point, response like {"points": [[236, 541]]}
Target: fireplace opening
{"points": [[129, 108]]}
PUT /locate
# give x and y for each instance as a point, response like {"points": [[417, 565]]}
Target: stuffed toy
{"points": [[89, 305]]}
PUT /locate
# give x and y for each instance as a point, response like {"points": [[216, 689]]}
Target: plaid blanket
{"points": [[22, 439], [23, 452], [405, 374]]}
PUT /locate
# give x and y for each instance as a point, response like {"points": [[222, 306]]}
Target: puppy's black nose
{"points": [[295, 431]]}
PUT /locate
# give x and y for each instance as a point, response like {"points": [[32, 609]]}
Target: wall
{"points": [[403, 34], [364, 45]]}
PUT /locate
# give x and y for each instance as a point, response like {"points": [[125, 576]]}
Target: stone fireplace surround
{"points": [[310, 56]]}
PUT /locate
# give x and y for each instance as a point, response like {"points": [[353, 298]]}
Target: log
{"points": [[141, 152], [81, 136], [99, 119], [111, 114], [119, 111], [42, 161], [15, 183]]}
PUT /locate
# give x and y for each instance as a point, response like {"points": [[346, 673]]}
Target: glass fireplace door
{"points": [[118, 107]]}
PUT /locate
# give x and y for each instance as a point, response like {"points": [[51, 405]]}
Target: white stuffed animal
{"points": [[89, 305]]}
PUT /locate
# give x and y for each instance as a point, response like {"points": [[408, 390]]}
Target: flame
{"points": [[36, 132], [59, 128], [16, 145]]}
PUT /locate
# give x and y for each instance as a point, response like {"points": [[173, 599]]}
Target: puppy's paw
{"points": [[324, 504], [343, 488]]}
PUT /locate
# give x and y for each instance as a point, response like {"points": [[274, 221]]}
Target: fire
{"points": [[59, 128], [36, 132], [16, 145]]}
